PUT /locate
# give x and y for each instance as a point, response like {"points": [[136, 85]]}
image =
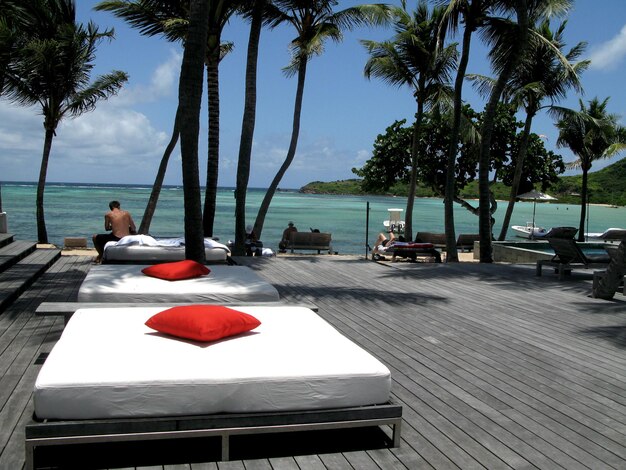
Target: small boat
{"points": [[530, 230], [394, 223], [533, 232], [613, 233]]}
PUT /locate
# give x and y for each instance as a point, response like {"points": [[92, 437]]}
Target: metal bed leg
{"points": [[225, 447], [397, 428], [29, 457]]}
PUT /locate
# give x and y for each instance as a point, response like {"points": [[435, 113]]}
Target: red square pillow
{"points": [[202, 322], [177, 270]]}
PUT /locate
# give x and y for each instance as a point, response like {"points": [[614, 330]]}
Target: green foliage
{"points": [[605, 186], [390, 162]]}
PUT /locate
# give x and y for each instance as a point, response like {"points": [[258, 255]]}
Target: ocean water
{"points": [[77, 210]]}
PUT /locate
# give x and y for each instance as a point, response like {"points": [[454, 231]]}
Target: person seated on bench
{"points": [[282, 246]]}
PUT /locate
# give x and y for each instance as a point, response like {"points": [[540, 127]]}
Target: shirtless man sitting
{"points": [[119, 223]]}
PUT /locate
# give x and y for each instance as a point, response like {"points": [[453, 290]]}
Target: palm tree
{"points": [[52, 70], [13, 19], [189, 99], [545, 73], [474, 14], [256, 15], [171, 19], [591, 134], [509, 41], [315, 22], [412, 58]]}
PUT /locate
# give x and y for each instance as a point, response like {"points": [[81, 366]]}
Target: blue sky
{"points": [[123, 139]]}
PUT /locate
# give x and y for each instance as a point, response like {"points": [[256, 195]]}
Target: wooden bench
{"points": [[75, 242], [310, 241]]}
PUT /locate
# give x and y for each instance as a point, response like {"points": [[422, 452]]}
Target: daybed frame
{"points": [[54, 433]]}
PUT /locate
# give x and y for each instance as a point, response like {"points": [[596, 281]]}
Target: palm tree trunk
{"points": [[42, 233], [408, 219], [189, 100], [583, 205], [267, 200], [452, 254], [517, 176], [247, 128], [146, 220], [484, 190], [210, 197]]}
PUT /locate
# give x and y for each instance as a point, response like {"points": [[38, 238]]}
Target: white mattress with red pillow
{"points": [[126, 283], [108, 364]]}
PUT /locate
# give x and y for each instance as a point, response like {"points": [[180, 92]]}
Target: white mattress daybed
{"points": [[137, 249], [126, 283], [110, 374]]}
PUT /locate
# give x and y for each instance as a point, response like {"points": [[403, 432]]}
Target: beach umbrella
{"points": [[535, 196]]}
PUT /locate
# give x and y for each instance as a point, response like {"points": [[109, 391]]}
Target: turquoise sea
{"points": [[77, 210]]}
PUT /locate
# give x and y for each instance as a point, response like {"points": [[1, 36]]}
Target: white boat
{"points": [[533, 232], [530, 230], [394, 223], [609, 234]]}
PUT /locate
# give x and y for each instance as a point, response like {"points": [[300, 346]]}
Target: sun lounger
{"points": [[144, 249], [111, 378], [413, 251], [568, 256], [437, 239], [465, 241], [126, 283]]}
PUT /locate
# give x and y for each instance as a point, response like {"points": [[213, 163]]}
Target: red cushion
{"points": [[177, 270], [202, 322]]}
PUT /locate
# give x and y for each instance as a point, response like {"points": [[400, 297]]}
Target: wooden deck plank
{"points": [[495, 367]]}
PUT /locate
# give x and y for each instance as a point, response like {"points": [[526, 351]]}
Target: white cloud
{"points": [[609, 54], [162, 83]]}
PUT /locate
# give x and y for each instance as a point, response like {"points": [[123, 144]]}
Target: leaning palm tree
{"points": [[412, 59], [171, 19], [14, 20], [52, 70], [509, 39], [256, 13], [591, 134], [315, 22], [189, 99], [544, 73]]}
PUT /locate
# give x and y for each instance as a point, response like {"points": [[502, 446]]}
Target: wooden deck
{"points": [[495, 367]]}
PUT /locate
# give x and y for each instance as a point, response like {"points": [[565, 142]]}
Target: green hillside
{"points": [[606, 186]]}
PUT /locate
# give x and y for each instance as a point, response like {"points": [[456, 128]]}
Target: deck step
{"points": [[5, 239], [11, 253], [21, 275]]}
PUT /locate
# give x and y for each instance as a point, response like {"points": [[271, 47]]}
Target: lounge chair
{"points": [[465, 241], [559, 232], [437, 239], [568, 256], [413, 251]]}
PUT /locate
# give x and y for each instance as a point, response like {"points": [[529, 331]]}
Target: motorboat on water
{"points": [[534, 232], [616, 234], [394, 223], [530, 230]]}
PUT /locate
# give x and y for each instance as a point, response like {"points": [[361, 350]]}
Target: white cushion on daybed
{"points": [[107, 363], [126, 283], [140, 248]]}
